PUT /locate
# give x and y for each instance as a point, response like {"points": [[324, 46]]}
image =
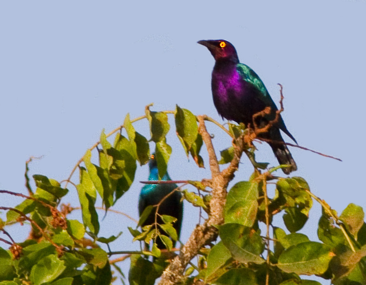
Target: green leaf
{"points": [[73, 259], [104, 142], [294, 219], [217, 258], [75, 229], [278, 234], [167, 242], [26, 207], [198, 184], [143, 149], [227, 155], [134, 232], [361, 235], [131, 133], [125, 163], [142, 271], [244, 243], [95, 256], [7, 271], [307, 258], [87, 198], [110, 239], [63, 238], [187, 129], [194, 199], [159, 126], [241, 276], [195, 151], [47, 269], [346, 261], [241, 204], [35, 252], [260, 165], [236, 130], [294, 189], [93, 173], [145, 214], [293, 239], [104, 275], [107, 183], [353, 217], [50, 185], [162, 155], [155, 251], [170, 230], [329, 233], [63, 281], [142, 236], [168, 219]]}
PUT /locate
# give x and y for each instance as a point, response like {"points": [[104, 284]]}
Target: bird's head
{"points": [[152, 162], [221, 49]]}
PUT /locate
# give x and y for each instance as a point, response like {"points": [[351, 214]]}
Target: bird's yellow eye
{"points": [[222, 44], [152, 156]]}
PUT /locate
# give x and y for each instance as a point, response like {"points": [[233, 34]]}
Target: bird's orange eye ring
{"points": [[222, 44]]}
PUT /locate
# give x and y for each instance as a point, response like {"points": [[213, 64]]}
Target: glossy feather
{"points": [[239, 93]]}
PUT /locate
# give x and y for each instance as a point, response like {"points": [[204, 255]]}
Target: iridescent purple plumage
{"points": [[239, 93]]}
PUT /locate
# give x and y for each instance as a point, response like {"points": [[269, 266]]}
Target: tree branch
{"points": [[204, 234]]}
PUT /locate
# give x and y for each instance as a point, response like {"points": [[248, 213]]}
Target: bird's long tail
{"points": [[284, 157]]}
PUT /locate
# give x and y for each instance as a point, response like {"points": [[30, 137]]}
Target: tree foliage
{"points": [[238, 243]]}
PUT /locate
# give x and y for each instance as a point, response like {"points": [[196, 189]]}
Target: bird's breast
{"points": [[226, 91]]}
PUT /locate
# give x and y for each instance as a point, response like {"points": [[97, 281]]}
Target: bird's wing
{"points": [[251, 77]]}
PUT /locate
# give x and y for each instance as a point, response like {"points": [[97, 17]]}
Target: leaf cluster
{"points": [[246, 247]]}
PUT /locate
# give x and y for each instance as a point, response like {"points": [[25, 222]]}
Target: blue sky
{"points": [[69, 69]]}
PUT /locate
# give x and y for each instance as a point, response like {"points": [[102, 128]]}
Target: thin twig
{"points": [[209, 119], [5, 241], [122, 258], [27, 184], [28, 197], [9, 236], [58, 248]]}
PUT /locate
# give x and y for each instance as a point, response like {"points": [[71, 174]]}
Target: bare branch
{"points": [[204, 234]]}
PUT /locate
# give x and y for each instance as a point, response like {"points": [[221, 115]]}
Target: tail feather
{"points": [[284, 157]]}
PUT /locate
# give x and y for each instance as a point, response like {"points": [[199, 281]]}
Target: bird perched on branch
{"points": [[153, 194], [239, 93]]}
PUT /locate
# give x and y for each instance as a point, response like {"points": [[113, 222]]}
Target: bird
{"points": [[239, 93], [152, 194]]}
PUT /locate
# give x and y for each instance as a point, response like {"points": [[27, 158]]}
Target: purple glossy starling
{"points": [[152, 194], [239, 93]]}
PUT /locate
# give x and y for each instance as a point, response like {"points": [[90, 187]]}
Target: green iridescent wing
{"points": [[251, 77]]}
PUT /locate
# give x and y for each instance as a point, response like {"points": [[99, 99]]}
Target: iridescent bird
{"points": [[152, 194], [239, 93]]}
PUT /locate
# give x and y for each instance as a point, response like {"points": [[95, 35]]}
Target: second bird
{"points": [[239, 93], [153, 194]]}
